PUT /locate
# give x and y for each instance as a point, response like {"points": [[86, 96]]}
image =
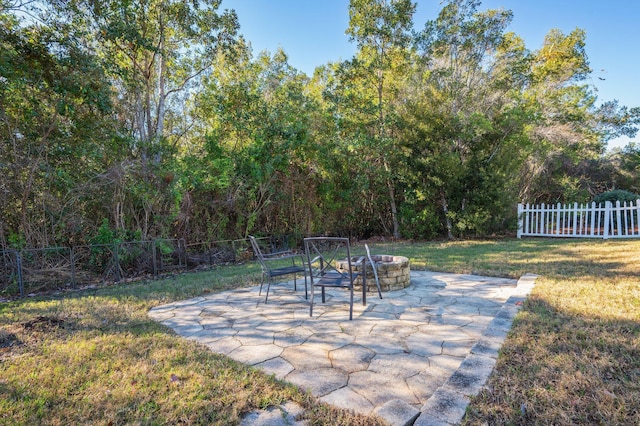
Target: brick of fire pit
{"points": [[393, 273]]}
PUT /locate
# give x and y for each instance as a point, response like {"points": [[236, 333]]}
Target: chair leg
{"points": [[377, 281], [261, 283], [311, 303], [268, 287], [364, 288], [306, 295], [351, 305]]}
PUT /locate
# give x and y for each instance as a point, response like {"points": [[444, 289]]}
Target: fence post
{"points": [[182, 253], [154, 255], [637, 216], [607, 219], [19, 269], [520, 220], [73, 268], [593, 213], [116, 261], [626, 217], [618, 213]]}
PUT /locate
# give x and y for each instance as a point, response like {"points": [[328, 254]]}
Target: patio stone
{"points": [[254, 337], [347, 399], [306, 357], [445, 405], [292, 336], [225, 345], [418, 352], [382, 344], [283, 415], [426, 419], [218, 333], [351, 358], [428, 381], [398, 412], [380, 388], [457, 348], [424, 344], [320, 381], [487, 347], [255, 354], [276, 366], [471, 375], [398, 365]]}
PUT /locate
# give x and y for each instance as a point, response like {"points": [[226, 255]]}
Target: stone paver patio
{"points": [[413, 357]]}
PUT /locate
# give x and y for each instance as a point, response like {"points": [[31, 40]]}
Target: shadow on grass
{"points": [[554, 258], [561, 368]]}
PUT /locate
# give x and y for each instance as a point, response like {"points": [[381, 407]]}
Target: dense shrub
{"points": [[616, 195]]}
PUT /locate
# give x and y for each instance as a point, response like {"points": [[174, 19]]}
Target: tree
{"points": [[254, 114], [157, 52], [464, 121], [568, 131], [382, 32], [57, 128]]}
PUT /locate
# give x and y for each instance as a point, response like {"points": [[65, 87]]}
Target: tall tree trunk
{"points": [[447, 220], [159, 128], [392, 200], [394, 210]]}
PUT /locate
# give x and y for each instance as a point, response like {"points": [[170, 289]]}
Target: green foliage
{"points": [[105, 234], [17, 241], [420, 220], [55, 105], [153, 115], [616, 195]]}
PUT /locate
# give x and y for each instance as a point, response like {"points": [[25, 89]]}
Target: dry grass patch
{"points": [[95, 357], [573, 355]]}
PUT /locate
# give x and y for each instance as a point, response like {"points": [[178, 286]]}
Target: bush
{"points": [[616, 195]]}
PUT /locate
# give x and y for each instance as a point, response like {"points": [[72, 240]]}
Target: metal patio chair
{"points": [[323, 255], [276, 265]]}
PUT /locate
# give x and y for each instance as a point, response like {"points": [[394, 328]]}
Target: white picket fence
{"points": [[608, 220]]}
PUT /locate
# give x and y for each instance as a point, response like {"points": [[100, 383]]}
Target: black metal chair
{"points": [[331, 266], [276, 265]]}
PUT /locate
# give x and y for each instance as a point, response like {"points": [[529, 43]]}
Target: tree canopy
{"points": [[156, 119]]}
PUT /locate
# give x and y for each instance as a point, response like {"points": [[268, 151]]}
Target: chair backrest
{"points": [[257, 251], [329, 256]]}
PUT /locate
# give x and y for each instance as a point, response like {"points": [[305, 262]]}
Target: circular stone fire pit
{"points": [[393, 272]]}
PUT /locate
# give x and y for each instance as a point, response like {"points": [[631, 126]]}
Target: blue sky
{"points": [[312, 33]]}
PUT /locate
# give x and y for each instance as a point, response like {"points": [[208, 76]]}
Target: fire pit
{"points": [[393, 272]]}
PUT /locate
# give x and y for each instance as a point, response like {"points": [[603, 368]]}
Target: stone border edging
{"points": [[449, 402]]}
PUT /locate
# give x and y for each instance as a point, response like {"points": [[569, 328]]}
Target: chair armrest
{"points": [[280, 255]]}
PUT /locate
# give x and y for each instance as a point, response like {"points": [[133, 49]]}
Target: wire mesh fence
{"points": [[29, 271]]}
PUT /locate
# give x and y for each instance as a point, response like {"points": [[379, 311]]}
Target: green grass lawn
{"points": [[94, 356]]}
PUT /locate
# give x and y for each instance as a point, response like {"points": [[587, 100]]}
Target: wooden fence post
{"points": [[618, 211], [607, 219], [520, 220]]}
